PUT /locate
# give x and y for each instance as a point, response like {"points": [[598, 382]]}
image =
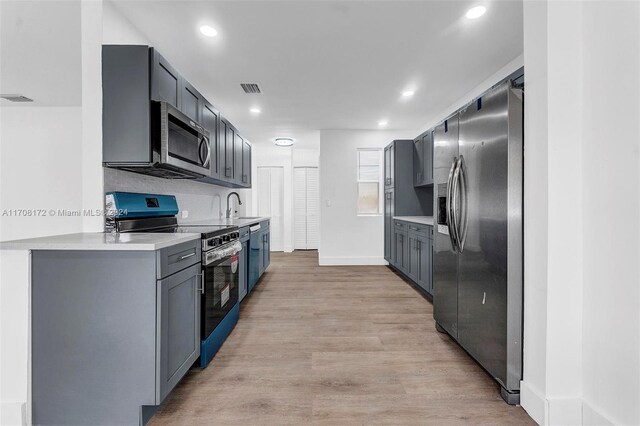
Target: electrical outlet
{"points": [[328, 203], [184, 214]]}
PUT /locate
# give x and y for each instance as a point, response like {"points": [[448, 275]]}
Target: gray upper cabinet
{"points": [[229, 152], [132, 76], [210, 121], [165, 80], [423, 159], [418, 161], [238, 143], [191, 101], [389, 166], [246, 163]]}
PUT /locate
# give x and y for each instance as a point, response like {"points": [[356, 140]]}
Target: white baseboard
{"points": [[354, 261], [592, 417], [533, 403], [564, 411], [13, 413]]}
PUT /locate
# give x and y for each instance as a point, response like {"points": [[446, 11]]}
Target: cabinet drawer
{"points": [[420, 229], [400, 226], [175, 258]]}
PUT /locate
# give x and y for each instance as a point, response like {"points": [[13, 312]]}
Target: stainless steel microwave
{"points": [[181, 147]]}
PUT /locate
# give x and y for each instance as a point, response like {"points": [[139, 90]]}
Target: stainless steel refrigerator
{"points": [[478, 252]]}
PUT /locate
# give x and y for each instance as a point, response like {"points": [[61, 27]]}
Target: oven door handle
{"points": [[201, 289]]}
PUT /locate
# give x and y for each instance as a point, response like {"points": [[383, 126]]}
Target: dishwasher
{"points": [[256, 259]]}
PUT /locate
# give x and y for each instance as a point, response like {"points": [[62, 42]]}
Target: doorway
{"points": [[271, 202], [306, 197]]}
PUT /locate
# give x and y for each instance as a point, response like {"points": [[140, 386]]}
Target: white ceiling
{"points": [[331, 64], [40, 52]]}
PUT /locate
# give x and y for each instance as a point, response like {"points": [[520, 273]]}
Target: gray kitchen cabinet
{"points": [[389, 165], [165, 80], [238, 143], [191, 101], [228, 150], [389, 204], [418, 161], [413, 244], [401, 197], [401, 250], [423, 159], [246, 164], [266, 251], [211, 121], [178, 311], [134, 75], [117, 330]]}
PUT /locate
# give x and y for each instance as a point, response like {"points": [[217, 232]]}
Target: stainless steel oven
{"points": [[180, 144], [220, 275]]}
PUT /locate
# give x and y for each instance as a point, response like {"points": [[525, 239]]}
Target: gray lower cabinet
{"points": [[112, 331], [178, 313], [412, 252], [388, 224], [401, 252]]}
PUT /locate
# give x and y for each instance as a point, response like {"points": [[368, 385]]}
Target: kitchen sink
{"points": [[248, 217]]}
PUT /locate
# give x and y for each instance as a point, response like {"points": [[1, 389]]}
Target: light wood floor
{"points": [[340, 346]]}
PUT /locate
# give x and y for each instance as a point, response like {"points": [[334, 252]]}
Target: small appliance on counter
{"points": [[220, 306]]}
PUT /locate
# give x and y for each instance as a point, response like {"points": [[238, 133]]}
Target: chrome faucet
{"points": [[229, 208]]}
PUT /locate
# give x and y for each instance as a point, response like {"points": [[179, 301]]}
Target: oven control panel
{"points": [[220, 240]]}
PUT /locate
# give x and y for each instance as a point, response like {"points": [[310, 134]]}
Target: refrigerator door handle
{"points": [[449, 207], [462, 234], [455, 195]]}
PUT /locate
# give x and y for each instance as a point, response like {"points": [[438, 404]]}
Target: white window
{"points": [[369, 175]]}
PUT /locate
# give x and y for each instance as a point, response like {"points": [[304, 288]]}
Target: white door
{"points": [[271, 202], [306, 203]]}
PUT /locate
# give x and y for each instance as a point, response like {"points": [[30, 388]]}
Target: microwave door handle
{"points": [[208, 157]]}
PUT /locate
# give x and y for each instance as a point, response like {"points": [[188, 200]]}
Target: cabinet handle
{"points": [[227, 171], [186, 256]]}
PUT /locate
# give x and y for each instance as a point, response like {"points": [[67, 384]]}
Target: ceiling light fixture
{"points": [[208, 31], [255, 110], [476, 12], [382, 123], [408, 93], [283, 141]]}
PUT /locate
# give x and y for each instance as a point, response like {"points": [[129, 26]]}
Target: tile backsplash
{"points": [[201, 200]]}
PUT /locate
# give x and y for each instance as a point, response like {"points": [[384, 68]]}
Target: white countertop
{"points": [[240, 222], [423, 220], [101, 241]]}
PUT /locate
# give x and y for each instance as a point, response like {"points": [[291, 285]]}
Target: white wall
{"points": [[345, 237], [582, 300]]}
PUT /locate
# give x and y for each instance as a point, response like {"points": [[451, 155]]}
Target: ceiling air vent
{"points": [[16, 98], [250, 88]]}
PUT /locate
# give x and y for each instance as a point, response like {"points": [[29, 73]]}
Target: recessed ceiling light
{"points": [[476, 12], [255, 110], [208, 31], [283, 141], [382, 123], [408, 93]]}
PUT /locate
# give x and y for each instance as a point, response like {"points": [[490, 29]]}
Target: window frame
{"points": [[379, 181]]}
